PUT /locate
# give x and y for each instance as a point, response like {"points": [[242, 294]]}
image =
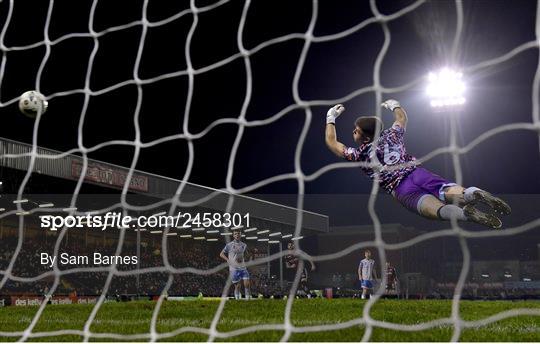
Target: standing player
{"points": [[366, 274], [233, 253], [291, 265], [291, 262], [416, 188], [391, 278]]}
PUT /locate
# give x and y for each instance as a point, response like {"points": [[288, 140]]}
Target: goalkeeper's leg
{"points": [[422, 181], [463, 196], [426, 193], [432, 208]]}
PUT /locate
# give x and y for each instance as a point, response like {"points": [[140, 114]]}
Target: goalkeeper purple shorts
{"points": [[419, 184]]}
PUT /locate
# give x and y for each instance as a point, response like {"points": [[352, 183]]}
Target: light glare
{"points": [[446, 88]]}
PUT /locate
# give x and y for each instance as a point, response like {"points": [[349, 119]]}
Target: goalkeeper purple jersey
{"points": [[390, 151]]}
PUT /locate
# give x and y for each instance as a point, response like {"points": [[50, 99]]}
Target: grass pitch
{"points": [[190, 320]]}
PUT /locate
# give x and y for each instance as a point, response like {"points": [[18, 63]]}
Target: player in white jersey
{"points": [[234, 253], [366, 274], [418, 189]]}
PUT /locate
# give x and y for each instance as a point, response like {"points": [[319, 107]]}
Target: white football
{"points": [[31, 102]]}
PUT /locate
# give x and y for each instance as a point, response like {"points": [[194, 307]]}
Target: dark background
{"points": [[505, 164], [508, 163]]}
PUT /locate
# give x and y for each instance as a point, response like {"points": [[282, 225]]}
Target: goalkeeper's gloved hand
{"points": [[333, 113], [391, 104]]}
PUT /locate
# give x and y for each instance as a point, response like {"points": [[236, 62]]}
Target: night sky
{"points": [[508, 163]]}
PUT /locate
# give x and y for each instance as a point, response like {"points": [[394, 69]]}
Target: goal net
{"points": [[233, 95]]}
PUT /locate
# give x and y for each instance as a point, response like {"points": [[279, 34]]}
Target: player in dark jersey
{"points": [[416, 188], [291, 262], [291, 266], [391, 278]]}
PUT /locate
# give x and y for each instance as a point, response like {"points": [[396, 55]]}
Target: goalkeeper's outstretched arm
{"points": [[400, 116], [331, 137]]}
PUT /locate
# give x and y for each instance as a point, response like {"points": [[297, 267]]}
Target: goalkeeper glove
{"points": [[391, 104], [334, 113]]}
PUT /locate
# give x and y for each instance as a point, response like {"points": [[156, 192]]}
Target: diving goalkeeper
{"points": [[416, 188]]}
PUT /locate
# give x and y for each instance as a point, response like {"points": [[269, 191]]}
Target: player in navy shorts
{"points": [[415, 187]]}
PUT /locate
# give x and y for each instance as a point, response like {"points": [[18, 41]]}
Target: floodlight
{"points": [[446, 88]]}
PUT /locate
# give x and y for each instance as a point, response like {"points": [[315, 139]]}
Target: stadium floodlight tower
{"points": [[446, 89]]}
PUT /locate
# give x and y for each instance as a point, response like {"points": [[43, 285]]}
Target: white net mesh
{"points": [[298, 175]]}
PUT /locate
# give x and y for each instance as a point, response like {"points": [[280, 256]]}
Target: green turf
{"points": [[134, 318]]}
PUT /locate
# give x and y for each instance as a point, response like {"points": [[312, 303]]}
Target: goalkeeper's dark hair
{"points": [[369, 126]]}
